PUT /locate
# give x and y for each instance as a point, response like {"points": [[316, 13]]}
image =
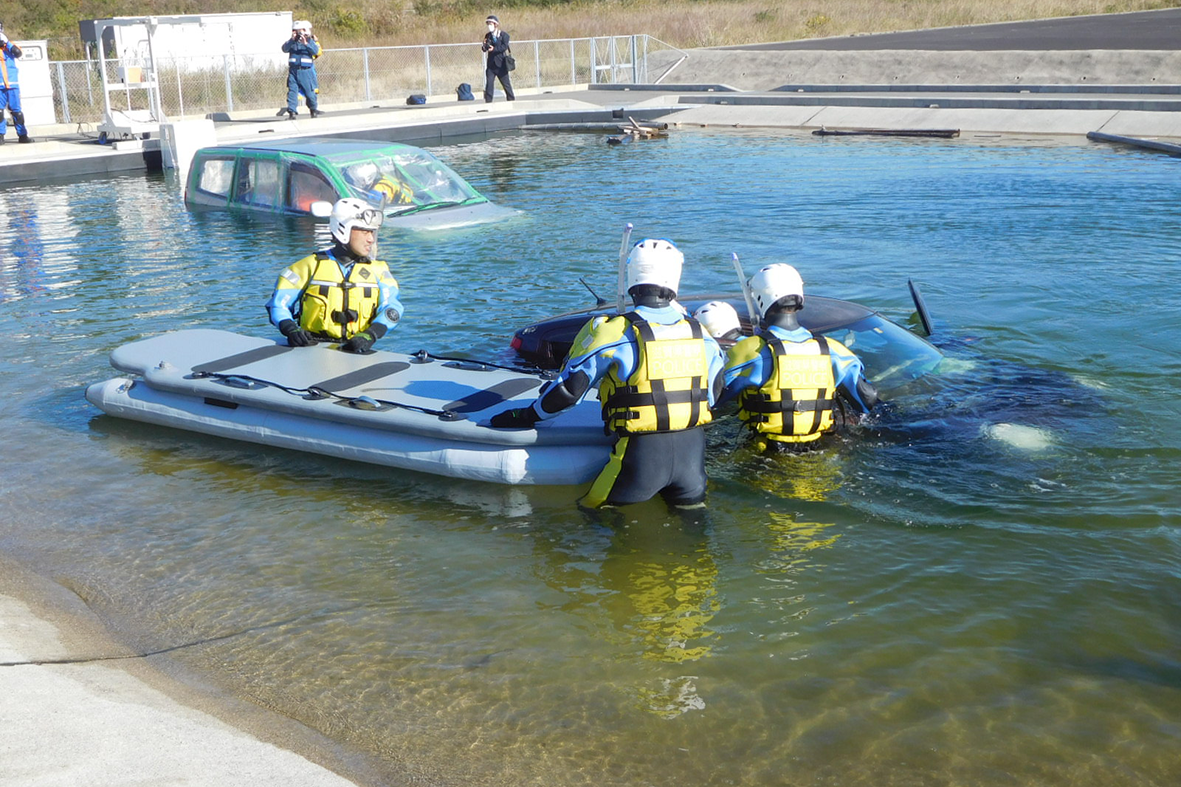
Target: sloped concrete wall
{"points": [[766, 70]]}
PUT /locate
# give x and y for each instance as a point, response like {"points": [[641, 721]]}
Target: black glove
{"points": [[363, 342], [296, 336], [360, 343], [518, 418]]}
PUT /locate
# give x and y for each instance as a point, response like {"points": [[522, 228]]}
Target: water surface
{"points": [[981, 586]]}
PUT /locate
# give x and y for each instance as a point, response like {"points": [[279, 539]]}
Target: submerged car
{"points": [[295, 176], [893, 355]]}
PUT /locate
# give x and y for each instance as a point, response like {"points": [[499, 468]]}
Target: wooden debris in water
{"points": [[633, 131]]}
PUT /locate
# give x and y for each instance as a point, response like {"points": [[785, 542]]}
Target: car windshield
{"points": [[406, 181], [893, 356]]}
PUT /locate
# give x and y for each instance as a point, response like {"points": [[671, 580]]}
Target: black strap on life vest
{"points": [[627, 397], [760, 402]]}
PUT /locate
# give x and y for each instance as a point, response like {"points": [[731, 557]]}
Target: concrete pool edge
{"points": [[83, 708], [65, 152]]}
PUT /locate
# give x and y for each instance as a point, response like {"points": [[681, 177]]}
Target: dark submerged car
{"points": [[893, 355]]}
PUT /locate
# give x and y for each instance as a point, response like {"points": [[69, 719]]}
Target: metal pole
{"points": [[180, 92], [573, 65], [427, 50], [102, 72], [153, 86], [635, 62], [61, 87], [365, 61], [537, 60], [229, 85]]}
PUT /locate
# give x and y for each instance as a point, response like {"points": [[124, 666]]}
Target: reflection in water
{"points": [[21, 259]]}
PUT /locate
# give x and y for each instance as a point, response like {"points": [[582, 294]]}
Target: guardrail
{"points": [[200, 85]]}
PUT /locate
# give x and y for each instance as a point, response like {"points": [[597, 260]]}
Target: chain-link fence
{"points": [[195, 87]]}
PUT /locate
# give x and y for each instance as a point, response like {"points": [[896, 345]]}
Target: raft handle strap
{"points": [[314, 393]]}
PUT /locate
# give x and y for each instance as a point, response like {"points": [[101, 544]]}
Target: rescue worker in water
{"points": [[792, 387], [658, 374], [339, 294]]}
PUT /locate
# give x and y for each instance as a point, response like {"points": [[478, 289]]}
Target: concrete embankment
{"points": [[80, 708]]}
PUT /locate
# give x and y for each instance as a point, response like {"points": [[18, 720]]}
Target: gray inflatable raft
{"points": [[408, 411]]}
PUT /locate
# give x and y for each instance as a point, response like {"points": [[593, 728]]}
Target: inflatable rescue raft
{"points": [[409, 411]]}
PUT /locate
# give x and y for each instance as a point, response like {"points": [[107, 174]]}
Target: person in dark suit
{"points": [[496, 67]]}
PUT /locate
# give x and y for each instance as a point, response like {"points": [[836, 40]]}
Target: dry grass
{"points": [[681, 23], [698, 23]]}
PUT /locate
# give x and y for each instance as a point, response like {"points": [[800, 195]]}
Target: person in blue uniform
{"points": [[658, 373], [339, 294], [792, 387], [496, 66], [10, 92], [302, 50]]}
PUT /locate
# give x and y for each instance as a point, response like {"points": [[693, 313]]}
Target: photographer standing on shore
{"points": [[10, 92], [302, 50], [496, 46]]}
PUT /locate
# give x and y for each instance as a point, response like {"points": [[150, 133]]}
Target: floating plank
{"points": [[1147, 144], [941, 133]]}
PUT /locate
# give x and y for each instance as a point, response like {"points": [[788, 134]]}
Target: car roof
{"points": [[319, 146]]}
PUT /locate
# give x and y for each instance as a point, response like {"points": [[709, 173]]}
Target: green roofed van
{"points": [[412, 187]]}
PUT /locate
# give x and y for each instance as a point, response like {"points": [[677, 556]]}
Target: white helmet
{"points": [[719, 318], [302, 24], [351, 213], [362, 175], [655, 261], [774, 282]]}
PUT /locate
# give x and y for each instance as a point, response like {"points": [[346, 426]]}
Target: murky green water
{"points": [[980, 588]]}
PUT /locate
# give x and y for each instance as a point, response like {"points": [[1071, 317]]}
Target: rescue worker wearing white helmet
{"points": [[302, 49], [721, 320], [658, 374], [792, 387], [339, 294]]}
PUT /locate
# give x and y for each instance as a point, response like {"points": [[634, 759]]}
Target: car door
{"points": [[211, 179], [307, 182], [258, 181]]}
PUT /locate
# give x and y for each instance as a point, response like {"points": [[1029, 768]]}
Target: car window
{"points": [[216, 176], [305, 185], [258, 183]]}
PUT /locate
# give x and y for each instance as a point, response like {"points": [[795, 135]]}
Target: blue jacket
{"points": [[301, 55], [622, 353], [847, 368], [8, 70]]}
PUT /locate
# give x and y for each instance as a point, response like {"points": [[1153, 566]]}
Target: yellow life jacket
{"points": [[393, 192], [795, 404], [669, 389], [335, 307]]}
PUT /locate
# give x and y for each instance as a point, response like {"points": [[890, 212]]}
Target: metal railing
{"points": [[198, 86]]}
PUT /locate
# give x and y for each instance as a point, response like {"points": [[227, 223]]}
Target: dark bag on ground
{"points": [[464, 92], [416, 98], [510, 62]]}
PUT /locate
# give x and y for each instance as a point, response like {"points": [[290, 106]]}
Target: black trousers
{"points": [[490, 77], [669, 464]]}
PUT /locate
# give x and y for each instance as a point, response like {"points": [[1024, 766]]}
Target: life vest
{"points": [[669, 389], [393, 192], [795, 404], [336, 307]]}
